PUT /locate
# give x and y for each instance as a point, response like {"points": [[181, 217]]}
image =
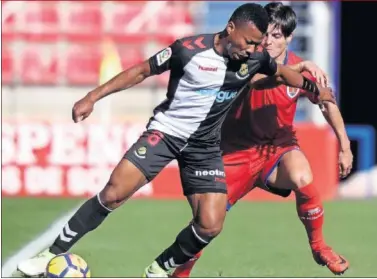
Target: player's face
{"points": [[243, 39], [275, 42]]}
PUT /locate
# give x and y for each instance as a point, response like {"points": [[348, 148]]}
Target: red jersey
{"points": [[264, 117]]}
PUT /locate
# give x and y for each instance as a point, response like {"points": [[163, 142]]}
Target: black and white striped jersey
{"points": [[202, 86]]}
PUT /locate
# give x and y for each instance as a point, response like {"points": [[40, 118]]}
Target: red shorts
{"points": [[244, 168]]}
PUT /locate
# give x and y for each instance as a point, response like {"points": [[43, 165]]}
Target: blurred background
{"points": [[54, 52]]}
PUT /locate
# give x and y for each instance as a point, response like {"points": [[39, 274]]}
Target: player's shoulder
{"points": [[196, 43], [260, 53], [293, 58]]}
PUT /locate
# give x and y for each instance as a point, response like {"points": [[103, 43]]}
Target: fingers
{"points": [[80, 118], [322, 80], [344, 170], [347, 172], [82, 109], [74, 116], [321, 77], [77, 116]]}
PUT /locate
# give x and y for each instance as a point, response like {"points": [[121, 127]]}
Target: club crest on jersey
{"points": [[292, 92], [243, 72], [163, 56], [141, 152]]}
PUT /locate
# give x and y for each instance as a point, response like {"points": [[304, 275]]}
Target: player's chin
{"points": [[235, 56]]}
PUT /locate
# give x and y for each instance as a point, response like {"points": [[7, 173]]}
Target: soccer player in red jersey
{"points": [[259, 143]]}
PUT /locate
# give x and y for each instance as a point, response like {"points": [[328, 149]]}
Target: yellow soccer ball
{"points": [[67, 265]]}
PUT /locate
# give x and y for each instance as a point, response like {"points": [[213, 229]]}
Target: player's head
{"points": [[245, 30], [281, 24]]}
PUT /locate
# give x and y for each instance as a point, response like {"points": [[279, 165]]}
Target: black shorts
{"points": [[201, 168]]}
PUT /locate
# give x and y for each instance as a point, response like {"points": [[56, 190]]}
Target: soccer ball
{"points": [[67, 265]]}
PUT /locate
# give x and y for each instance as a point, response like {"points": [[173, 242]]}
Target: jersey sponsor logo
{"points": [[292, 92], [163, 56], [221, 96], [215, 172], [225, 96], [208, 69]]}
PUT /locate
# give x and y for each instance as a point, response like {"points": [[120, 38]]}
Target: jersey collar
{"points": [[285, 62]]}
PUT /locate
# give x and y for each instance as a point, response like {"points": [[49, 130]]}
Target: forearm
{"points": [[296, 80], [261, 82], [289, 77], [122, 81], [334, 118], [299, 67]]}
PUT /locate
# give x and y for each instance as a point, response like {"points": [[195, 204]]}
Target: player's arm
{"points": [[308, 66], [157, 64], [122, 81], [261, 82], [291, 78], [333, 116]]}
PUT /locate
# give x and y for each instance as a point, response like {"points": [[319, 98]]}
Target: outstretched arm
{"points": [[314, 70], [291, 78], [157, 64], [296, 80], [122, 81], [261, 82]]}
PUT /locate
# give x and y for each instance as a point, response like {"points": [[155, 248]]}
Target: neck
{"points": [[220, 43], [280, 59]]}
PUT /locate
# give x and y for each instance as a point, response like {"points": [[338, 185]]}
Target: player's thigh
{"points": [[152, 152], [292, 171], [141, 163], [124, 181], [241, 171], [204, 185]]}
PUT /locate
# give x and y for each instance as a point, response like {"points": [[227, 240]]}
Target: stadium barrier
{"points": [[45, 159]]}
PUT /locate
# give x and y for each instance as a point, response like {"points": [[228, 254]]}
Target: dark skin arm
{"points": [[261, 82], [289, 76], [124, 80]]}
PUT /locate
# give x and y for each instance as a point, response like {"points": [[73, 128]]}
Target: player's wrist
{"points": [[302, 66], [310, 86], [92, 97], [345, 146]]}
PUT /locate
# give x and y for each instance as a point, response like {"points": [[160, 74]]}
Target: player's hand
{"points": [[320, 75], [326, 94], [82, 109], [345, 162]]}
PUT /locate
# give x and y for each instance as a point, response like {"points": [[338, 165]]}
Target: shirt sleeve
{"points": [[268, 64], [164, 60]]}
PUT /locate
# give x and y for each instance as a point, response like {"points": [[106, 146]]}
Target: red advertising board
{"points": [[75, 160]]}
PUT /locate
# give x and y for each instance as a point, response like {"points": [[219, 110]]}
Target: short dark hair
{"points": [[282, 16], [251, 12]]}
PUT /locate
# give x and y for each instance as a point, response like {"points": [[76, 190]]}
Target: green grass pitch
{"points": [[259, 239]]}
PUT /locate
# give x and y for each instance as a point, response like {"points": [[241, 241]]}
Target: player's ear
{"points": [[230, 27], [289, 38]]}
